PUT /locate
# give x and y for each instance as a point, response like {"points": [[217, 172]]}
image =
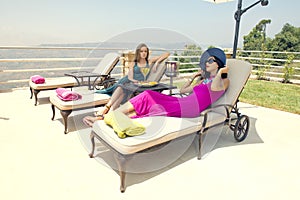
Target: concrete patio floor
{"points": [[40, 162]]}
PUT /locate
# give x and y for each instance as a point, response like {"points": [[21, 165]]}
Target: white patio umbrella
{"points": [[218, 1]]}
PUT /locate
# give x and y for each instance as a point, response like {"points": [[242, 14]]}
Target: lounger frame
{"points": [[122, 159], [107, 64], [237, 122]]}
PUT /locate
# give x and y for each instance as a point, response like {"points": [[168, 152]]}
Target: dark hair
{"points": [[137, 52], [219, 62]]}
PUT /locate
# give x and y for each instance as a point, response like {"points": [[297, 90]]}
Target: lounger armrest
{"points": [[205, 113], [104, 82], [109, 81], [77, 72]]}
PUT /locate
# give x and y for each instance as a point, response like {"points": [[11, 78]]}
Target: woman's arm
{"points": [[220, 83], [188, 87], [158, 59]]}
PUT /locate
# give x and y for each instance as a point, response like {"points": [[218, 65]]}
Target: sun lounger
{"points": [[92, 99], [50, 84], [100, 73], [89, 100], [220, 113]]}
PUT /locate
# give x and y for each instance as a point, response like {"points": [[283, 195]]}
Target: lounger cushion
{"points": [[107, 64], [158, 74], [238, 74], [88, 100], [54, 83], [159, 129]]}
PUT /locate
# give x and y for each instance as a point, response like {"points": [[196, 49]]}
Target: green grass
{"points": [[270, 94]]}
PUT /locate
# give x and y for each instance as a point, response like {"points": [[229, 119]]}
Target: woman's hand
{"points": [[220, 83], [198, 74], [223, 70], [188, 86]]}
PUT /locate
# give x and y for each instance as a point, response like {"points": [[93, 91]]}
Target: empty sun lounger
{"points": [[50, 84], [90, 100], [100, 73], [220, 113]]}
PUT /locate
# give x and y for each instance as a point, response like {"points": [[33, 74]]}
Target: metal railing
{"points": [[18, 63], [273, 64]]}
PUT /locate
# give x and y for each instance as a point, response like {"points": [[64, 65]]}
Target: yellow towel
{"points": [[123, 125]]}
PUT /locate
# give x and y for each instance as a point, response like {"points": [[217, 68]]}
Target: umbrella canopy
{"points": [[218, 1]]}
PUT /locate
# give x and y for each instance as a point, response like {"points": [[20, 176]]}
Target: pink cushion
{"points": [[37, 79], [67, 95]]}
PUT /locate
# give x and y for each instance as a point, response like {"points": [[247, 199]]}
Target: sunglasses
{"points": [[210, 61]]}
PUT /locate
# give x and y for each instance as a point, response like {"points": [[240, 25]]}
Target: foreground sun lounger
{"points": [[218, 114]]}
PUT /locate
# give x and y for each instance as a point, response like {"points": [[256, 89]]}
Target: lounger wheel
{"points": [[241, 128]]}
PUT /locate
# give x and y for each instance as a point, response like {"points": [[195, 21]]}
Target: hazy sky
{"points": [[34, 22]]}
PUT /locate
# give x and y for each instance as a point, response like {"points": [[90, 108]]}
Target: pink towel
{"points": [[67, 95], [37, 79]]}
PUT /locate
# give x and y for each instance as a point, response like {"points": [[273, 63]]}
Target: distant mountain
{"points": [[132, 45], [91, 44], [122, 45]]}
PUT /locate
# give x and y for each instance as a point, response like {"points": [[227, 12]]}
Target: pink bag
{"points": [[37, 79], [67, 95]]}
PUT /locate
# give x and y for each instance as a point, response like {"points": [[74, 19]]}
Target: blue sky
{"points": [[34, 22]]}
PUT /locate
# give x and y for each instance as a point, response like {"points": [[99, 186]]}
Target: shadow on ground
{"points": [[74, 121], [42, 100], [147, 164]]}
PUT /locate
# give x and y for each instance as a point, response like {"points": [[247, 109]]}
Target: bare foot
{"points": [[102, 111], [89, 120]]}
